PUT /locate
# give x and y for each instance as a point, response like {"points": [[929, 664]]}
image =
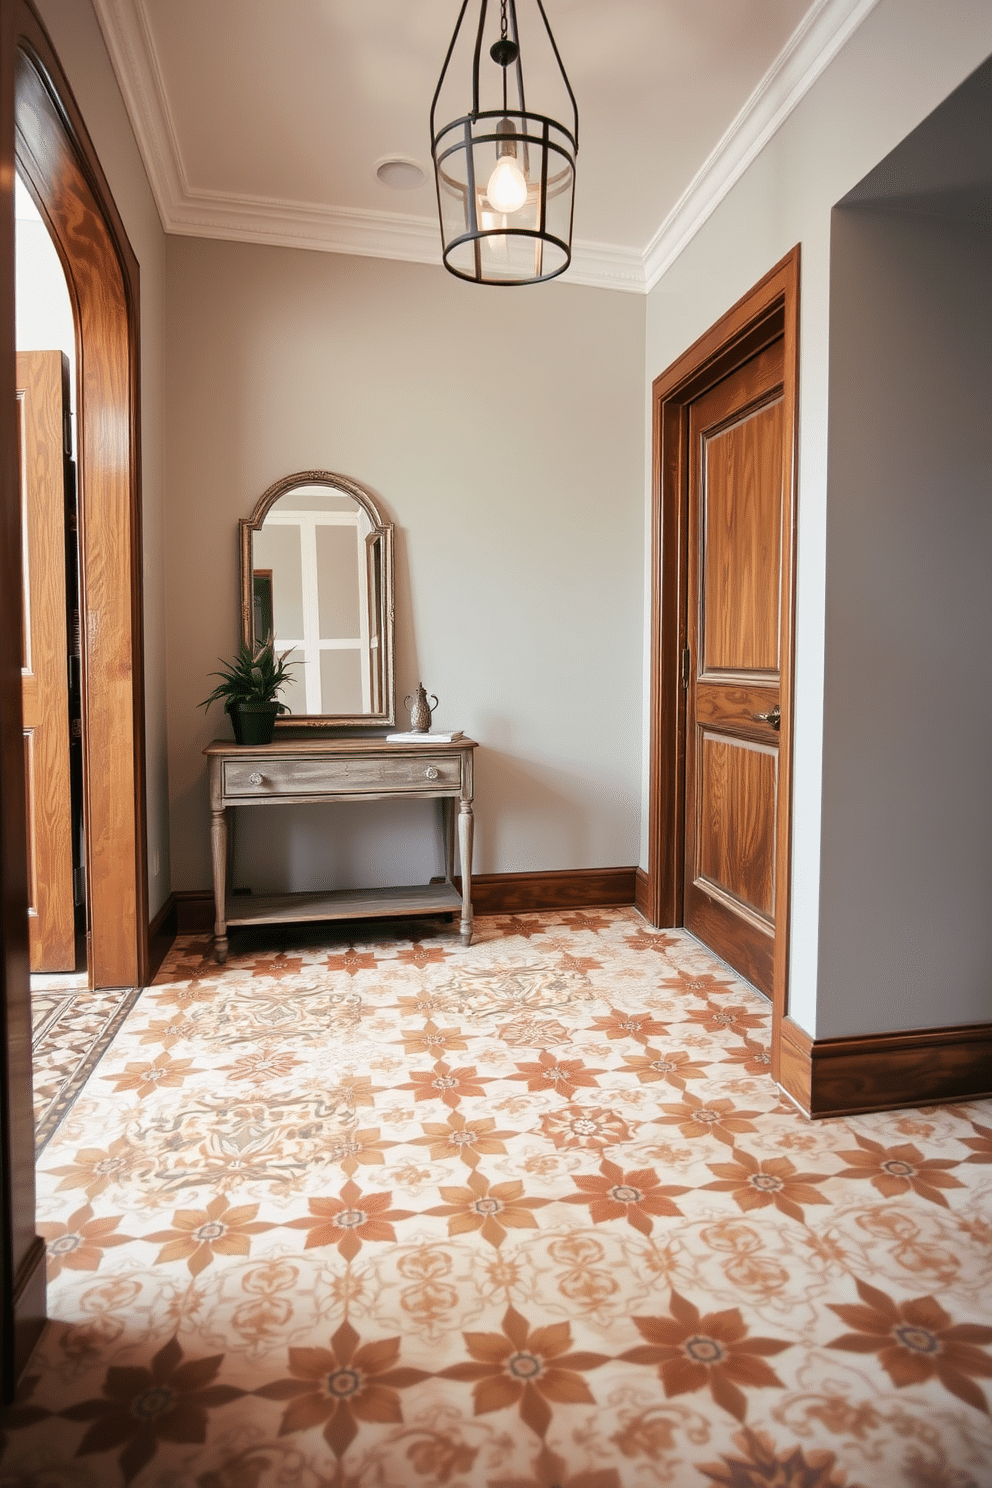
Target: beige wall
{"points": [[78, 41], [903, 60], [503, 433]]}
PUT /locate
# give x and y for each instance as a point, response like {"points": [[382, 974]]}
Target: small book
{"points": [[425, 738]]}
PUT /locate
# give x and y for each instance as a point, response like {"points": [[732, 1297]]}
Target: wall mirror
{"points": [[317, 575]]}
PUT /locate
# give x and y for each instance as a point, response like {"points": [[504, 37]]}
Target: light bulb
{"points": [[507, 189]]}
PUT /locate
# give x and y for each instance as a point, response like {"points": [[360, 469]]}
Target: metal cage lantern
{"points": [[505, 174]]}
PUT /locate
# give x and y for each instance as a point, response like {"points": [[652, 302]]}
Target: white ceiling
{"points": [[263, 120]]}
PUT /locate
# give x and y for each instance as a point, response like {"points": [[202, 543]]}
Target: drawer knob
{"points": [[254, 778], [431, 773]]}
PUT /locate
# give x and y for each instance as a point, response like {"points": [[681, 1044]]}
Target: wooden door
{"points": [[732, 666], [44, 451]]}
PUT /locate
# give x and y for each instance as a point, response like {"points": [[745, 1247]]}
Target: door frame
{"points": [[56, 157], [42, 132], [769, 310]]}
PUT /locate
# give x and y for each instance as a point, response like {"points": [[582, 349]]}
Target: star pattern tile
{"points": [[530, 1214]]}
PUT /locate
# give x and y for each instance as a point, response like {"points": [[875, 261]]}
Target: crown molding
{"points": [[189, 211], [810, 49]]}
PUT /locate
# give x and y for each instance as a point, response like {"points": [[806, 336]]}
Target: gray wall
{"points": [[503, 434], [904, 59], [906, 884]]}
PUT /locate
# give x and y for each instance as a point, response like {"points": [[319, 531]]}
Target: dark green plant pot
{"points": [[254, 723]]}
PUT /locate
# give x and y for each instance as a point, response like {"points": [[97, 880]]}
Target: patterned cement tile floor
{"points": [[528, 1214], [71, 1029]]}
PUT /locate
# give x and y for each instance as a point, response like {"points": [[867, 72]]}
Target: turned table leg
{"points": [[466, 823], [218, 846]]}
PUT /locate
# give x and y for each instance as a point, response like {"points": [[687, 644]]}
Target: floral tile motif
{"points": [[530, 1214]]}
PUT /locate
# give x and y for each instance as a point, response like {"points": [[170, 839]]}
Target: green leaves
{"points": [[255, 676]]}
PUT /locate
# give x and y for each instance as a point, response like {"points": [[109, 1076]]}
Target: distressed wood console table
{"points": [[302, 771]]}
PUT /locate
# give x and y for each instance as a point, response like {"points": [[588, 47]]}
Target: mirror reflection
{"points": [[316, 575]]}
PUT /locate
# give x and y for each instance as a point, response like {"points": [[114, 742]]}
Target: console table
{"points": [[301, 771]]}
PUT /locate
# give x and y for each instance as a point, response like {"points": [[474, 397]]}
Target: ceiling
{"points": [[265, 121]]}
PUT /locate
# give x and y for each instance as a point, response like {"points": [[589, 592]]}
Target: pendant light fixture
{"points": [[505, 174]]}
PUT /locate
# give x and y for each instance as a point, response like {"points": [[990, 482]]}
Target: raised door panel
{"points": [[742, 538], [42, 397], [735, 840]]}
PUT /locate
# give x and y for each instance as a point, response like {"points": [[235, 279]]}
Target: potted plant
{"points": [[248, 686]]}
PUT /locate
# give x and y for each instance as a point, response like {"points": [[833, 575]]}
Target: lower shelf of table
{"points": [[343, 904]]}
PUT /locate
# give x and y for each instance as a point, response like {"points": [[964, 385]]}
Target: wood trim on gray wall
{"points": [[886, 1071], [191, 911]]}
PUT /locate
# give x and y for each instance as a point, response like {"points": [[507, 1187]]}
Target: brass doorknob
{"points": [[774, 717]]}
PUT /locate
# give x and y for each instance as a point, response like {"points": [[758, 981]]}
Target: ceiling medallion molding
{"points": [[810, 49], [190, 212]]}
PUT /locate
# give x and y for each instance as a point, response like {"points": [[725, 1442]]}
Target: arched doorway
{"points": [[43, 133]]}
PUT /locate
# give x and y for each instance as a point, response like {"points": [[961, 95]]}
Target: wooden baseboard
{"points": [[886, 1071], [642, 896], [191, 911], [566, 888]]}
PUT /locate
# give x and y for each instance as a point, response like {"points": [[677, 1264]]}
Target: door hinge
{"points": [[79, 885], [686, 665]]}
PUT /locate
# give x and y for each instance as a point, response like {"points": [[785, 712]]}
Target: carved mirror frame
{"points": [[378, 548]]}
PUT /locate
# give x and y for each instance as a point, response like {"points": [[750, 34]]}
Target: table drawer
{"points": [[260, 779]]}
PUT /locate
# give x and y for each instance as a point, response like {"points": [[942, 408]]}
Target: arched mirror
{"points": [[317, 575]]}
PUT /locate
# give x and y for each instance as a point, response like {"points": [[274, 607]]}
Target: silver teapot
{"points": [[420, 710]]}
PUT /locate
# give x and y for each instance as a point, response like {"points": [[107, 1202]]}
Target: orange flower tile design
{"points": [[199, 1235], [450, 1086], [756, 1184], [350, 1220], [897, 1170], [161, 1074], [725, 1018], [492, 1209], [467, 1140], [715, 1118], [338, 1388], [96, 1168], [674, 1068], [916, 1341], [141, 1408], [433, 1041], [529, 1368], [421, 955], [620, 1025], [564, 1076], [352, 962], [79, 1243], [694, 1352], [634, 1196], [351, 1149], [981, 1145]]}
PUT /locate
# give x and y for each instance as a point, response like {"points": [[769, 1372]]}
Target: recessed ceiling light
{"points": [[399, 173]]}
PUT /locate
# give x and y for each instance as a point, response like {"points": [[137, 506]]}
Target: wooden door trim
{"points": [[56, 156], [769, 310], [53, 136]]}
